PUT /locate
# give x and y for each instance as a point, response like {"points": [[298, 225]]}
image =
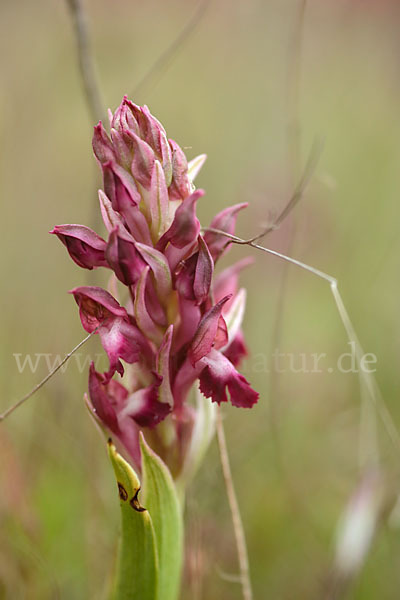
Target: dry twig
{"points": [[37, 387], [86, 63]]}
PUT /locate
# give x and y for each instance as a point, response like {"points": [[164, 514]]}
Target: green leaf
{"points": [[137, 566], [162, 502]]}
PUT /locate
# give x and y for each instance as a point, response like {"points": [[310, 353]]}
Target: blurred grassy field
{"points": [[228, 93]]}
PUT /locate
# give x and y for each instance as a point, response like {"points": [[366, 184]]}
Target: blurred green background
{"points": [[247, 92]]}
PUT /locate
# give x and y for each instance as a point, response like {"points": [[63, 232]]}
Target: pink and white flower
{"points": [[178, 325]]}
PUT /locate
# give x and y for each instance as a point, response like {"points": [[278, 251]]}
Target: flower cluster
{"points": [[178, 324]]}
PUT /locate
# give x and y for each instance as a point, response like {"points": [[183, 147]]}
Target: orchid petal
{"points": [[195, 166], [158, 201], [123, 119], [235, 313], [120, 187], [190, 318], [157, 139], [203, 273], [84, 246], [204, 337], [185, 227], [137, 225], [96, 306], [123, 151], [160, 268], [144, 407], [166, 158], [155, 307], [144, 320], [105, 404], [180, 186], [123, 258], [125, 200], [143, 160], [102, 402], [227, 281], [219, 375], [102, 145], [121, 339], [236, 350], [221, 337], [225, 221], [194, 278], [111, 218], [163, 367]]}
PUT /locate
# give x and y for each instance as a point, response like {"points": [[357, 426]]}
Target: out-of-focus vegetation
{"points": [[298, 456]]}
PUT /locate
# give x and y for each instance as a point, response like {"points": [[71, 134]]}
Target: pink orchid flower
{"points": [[179, 324]]}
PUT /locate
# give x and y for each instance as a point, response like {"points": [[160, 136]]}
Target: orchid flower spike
{"points": [[180, 324]]}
